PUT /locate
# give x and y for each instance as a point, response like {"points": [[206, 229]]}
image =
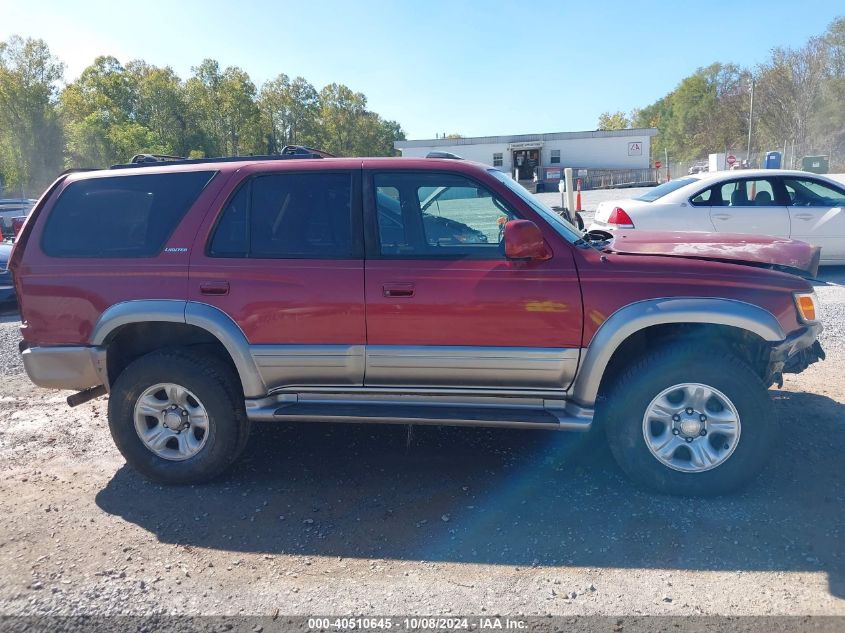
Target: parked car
{"points": [[224, 292], [780, 203], [12, 208], [699, 168]]}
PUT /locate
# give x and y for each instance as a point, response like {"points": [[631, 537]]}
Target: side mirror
{"points": [[524, 240]]}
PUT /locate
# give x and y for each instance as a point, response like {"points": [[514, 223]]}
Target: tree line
{"points": [[114, 111], [798, 105]]}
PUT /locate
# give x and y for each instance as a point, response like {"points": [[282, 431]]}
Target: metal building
{"points": [[539, 158]]}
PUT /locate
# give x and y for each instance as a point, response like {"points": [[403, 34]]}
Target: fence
{"points": [[613, 178]]}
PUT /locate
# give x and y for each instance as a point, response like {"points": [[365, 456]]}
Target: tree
{"points": [[30, 132], [225, 109], [788, 93], [613, 121], [289, 111]]}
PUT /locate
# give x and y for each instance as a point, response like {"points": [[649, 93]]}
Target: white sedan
{"points": [[782, 203]]}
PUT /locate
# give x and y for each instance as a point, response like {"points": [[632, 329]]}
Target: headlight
{"points": [[807, 305]]}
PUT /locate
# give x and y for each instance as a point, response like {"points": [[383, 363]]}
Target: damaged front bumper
{"points": [[795, 353]]}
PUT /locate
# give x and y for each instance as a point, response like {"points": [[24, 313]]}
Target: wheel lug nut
{"points": [[675, 431], [702, 417], [676, 418], [689, 410], [703, 432], [689, 439]]}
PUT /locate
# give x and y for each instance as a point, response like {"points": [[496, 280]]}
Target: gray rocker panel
{"points": [[470, 367]]}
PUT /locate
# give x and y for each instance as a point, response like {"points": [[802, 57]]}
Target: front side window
{"points": [[555, 157], [120, 216], [497, 159], [288, 216], [812, 193], [430, 214]]}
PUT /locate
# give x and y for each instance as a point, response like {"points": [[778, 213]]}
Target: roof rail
{"points": [[443, 155], [288, 152]]}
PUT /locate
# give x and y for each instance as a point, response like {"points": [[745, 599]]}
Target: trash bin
{"points": [[816, 164], [773, 160]]}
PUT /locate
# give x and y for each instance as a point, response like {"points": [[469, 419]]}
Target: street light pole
{"points": [[750, 121]]}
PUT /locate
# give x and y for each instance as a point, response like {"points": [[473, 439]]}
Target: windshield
{"points": [[569, 232], [666, 187]]}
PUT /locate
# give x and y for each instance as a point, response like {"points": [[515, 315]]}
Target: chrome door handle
{"points": [[722, 216], [393, 291], [804, 216]]}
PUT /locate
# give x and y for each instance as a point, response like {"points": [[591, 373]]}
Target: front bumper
{"points": [[66, 367], [796, 352]]}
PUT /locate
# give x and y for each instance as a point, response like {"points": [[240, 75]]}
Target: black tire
{"points": [[214, 384], [627, 400]]}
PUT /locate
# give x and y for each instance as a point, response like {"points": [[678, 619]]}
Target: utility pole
{"points": [[750, 121]]}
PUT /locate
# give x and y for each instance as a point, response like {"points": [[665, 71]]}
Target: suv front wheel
{"points": [[690, 420], [177, 416]]}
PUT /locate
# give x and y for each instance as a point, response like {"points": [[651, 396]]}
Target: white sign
{"points": [[526, 145], [635, 148]]}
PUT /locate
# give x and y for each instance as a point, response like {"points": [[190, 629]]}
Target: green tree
{"points": [[613, 121], [224, 106], [289, 112], [30, 131]]}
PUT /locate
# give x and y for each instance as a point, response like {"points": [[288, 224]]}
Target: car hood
{"points": [[792, 256]]}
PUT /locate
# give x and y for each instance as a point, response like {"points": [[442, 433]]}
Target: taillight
{"points": [[620, 218]]}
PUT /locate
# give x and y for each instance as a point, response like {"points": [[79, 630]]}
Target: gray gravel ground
{"points": [[346, 519]]}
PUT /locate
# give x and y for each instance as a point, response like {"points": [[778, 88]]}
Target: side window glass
{"points": [[438, 215], [132, 216], [288, 216], [703, 199], [812, 193], [231, 237], [748, 193]]}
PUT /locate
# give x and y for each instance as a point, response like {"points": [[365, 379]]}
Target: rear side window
{"points": [[121, 216], [288, 216]]}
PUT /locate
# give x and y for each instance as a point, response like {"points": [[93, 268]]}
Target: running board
{"points": [[506, 413]]}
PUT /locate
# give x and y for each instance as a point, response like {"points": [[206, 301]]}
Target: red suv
{"points": [[205, 295]]}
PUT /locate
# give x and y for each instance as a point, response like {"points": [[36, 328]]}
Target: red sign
{"points": [[731, 159], [657, 164]]}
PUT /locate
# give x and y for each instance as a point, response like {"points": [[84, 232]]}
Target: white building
{"points": [[522, 154]]}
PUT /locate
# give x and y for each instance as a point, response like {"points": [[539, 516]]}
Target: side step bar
{"points": [[544, 414]]}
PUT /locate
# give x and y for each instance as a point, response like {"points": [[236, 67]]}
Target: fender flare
{"points": [[643, 314], [206, 317]]}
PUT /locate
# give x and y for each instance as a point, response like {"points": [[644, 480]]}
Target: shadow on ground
{"points": [[503, 497]]}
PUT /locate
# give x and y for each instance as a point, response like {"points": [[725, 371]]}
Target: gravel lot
{"points": [[343, 519]]}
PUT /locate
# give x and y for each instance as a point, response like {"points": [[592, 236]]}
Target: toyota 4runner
{"points": [[207, 295]]}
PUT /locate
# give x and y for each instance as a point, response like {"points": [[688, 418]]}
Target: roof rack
{"points": [[288, 152]]}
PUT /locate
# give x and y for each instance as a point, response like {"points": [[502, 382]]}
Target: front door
{"points": [[749, 205], [817, 212], [445, 308], [285, 262]]}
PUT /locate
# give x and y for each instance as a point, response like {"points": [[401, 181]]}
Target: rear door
{"points": [[285, 261], [817, 212], [445, 308], [749, 205]]}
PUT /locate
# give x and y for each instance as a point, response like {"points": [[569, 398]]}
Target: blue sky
{"points": [[475, 68]]}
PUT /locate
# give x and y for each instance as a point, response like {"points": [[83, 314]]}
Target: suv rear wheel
{"points": [[690, 421], [178, 416]]}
